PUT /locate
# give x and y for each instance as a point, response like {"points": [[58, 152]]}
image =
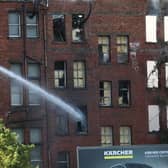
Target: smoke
{"points": [[154, 6]]}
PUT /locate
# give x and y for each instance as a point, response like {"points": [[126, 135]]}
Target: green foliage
{"points": [[12, 153]]}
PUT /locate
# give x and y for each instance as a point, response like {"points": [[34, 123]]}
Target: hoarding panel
{"points": [[146, 156]]}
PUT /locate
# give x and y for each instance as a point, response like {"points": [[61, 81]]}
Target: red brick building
{"points": [[99, 56]]}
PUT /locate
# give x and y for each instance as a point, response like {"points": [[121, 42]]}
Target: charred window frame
{"points": [[125, 135], [106, 136], [62, 125], [63, 160], [34, 77], [32, 25], [59, 32], [104, 49], [16, 88], [60, 74], [82, 125], [78, 34], [122, 48], [124, 98], [14, 24], [105, 91]]}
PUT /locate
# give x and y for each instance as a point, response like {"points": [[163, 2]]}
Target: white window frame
{"points": [[14, 85], [106, 136], [79, 74], [17, 24], [32, 25], [125, 135]]}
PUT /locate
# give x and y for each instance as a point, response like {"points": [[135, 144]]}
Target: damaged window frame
{"points": [[59, 29], [78, 33], [152, 74], [105, 93], [122, 42], [104, 49], [32, 26], [124, 97], [82, 125], [60, 74]]}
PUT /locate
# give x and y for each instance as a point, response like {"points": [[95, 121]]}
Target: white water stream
{"points": [[73, 111]]}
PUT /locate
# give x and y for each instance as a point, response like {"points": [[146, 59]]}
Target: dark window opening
{"points": [[63, 160], [77, 28], [61, 125], [59, 28], [82, 125], [122, 49], [105, 90], [124, 93], [104, 49]]}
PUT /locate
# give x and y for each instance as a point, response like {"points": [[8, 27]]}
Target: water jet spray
{"points": [[74, 112]]}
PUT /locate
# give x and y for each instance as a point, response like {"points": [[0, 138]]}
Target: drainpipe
{"points": [[46, 85]]}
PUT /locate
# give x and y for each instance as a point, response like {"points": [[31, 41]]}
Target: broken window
{"points": [[124, 93], [153, 118], [122, 49], [59, 27], [77, 27], [14, 24], [151, 28], [60, 74], [16, 88], [63, 160], [125, 135], [152, 75], [106, 136], [105, 89], [104, 49], [31, 26], [79, 74], [82, 125], [61, 125], [34, 77], [166, 28]]}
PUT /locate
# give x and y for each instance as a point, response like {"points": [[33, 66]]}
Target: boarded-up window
{"points": [[166, 28], [153, 118], [152, 75], [151, 28]]}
